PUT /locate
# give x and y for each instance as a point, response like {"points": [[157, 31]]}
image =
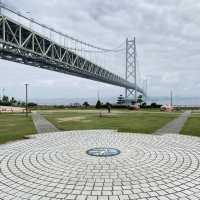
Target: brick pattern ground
{"points": [[174, 126], [42, 125], [56, 166]]}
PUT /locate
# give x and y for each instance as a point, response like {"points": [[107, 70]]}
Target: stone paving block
{"points": [[56, 166]]}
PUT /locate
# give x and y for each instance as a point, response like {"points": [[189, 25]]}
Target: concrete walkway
{"points": [[42, 125], [174, 126]]}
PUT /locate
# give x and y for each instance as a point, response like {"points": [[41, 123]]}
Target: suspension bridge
{"points": [[27, 41]]}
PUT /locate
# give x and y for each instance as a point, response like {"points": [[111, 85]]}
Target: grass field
{"points": [[15, 126], [192, 126], [141, 122]]}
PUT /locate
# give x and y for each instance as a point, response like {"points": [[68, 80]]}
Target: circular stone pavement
{"points": [[56, 166]]}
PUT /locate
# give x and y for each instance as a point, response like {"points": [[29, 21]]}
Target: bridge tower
{"points": [[131, 70]]}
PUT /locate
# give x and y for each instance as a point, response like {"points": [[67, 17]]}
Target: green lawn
{"points": [[192, 126], [15, 126], [139, 122]]}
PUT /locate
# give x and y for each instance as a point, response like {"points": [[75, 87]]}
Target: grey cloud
{"points": [[167, 33]]}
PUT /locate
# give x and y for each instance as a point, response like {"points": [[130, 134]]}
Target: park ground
{"points": [[16, 126], [192, 125]]}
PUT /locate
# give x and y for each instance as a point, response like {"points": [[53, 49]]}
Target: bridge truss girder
{"points": [[20, 44]]}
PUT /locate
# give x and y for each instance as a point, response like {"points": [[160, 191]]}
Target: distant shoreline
{"points": [[179, 101]]}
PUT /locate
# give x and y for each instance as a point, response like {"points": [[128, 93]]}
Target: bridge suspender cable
{"points": [[40, 51], [53, 30]]}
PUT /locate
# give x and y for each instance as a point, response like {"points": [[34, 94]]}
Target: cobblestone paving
{"points": [[42, 125], [174, 126], [56, 166]]}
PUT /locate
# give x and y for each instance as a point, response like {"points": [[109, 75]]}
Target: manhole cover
{"points": [[103, 152]]}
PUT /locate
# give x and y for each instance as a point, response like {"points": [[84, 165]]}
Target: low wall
{"points": [[11, 109]]}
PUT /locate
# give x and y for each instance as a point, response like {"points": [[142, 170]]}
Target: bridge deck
{"points": [[23, 45]]}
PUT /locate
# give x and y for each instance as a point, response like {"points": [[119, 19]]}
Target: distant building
{"points": [[120, 100]]}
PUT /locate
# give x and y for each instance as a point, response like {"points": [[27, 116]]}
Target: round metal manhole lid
{"points": [[103, 152]]}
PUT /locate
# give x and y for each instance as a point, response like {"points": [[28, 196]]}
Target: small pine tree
{"points": [[86, 104], [98, 104]]}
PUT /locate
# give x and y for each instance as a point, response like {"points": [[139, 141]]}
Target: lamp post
{"points": [[0, 7], [147, 83], [3, 92], [26, 86], [171, 98]]}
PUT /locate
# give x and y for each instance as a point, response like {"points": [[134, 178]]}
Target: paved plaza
{"points": [[56, 166]]}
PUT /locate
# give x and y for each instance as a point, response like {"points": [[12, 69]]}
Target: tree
{"points": [[143, 105], [155, 105], [120, 99], [32, 104], [18, 103], [23, 104], [140, 99], [98, 104], [5, 101], [86, 104], [13, 101]]}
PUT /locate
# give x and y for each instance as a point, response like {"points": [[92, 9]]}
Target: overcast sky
{"points": [[168, 45]]}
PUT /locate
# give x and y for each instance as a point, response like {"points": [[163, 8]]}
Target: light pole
{"points": [[3, 91], [1, 7], [145, 83], [1, 95], [171, 98], [26, 86]]}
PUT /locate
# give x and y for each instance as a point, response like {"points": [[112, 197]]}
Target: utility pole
{"points": [[98, 96], [26, 85], [146, 89], [3, 92], [171, 98], [0, 7], [148, 82], [131, 71]]}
